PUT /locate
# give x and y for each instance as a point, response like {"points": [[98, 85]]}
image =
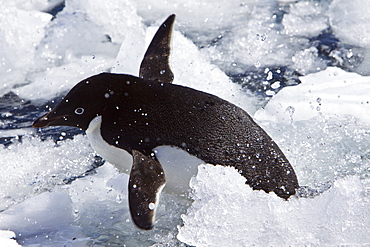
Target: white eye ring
{"points": [[79, 111]]}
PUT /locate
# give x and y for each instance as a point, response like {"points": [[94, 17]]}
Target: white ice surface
{"points": [[7, 239], [348, 19], [245, 217], [322, 125], [329, 92], [39, 214], [20, 32], [349, 22], [33, 167]]}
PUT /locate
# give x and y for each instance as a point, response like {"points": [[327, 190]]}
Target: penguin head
{"points": [[81, 105]]}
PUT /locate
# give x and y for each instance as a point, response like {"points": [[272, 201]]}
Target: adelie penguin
{"points": [[125, 117]]}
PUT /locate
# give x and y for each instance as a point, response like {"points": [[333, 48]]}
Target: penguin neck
{"points": [[118, 157]]}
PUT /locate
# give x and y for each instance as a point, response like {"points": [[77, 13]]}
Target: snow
{"points": [[322, 124]]}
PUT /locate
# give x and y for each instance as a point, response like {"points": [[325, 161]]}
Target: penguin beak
{"points": [[48, 120]]}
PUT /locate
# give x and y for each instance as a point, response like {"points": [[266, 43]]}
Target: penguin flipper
{"points": [[146, 182], [155, 64]]}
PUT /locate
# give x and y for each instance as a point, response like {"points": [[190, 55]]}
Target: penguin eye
{"points": [[79, 111]]}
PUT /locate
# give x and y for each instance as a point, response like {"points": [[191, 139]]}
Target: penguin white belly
{"points": [[118, 157], [178, 165]]}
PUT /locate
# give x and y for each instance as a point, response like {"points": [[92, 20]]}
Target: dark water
{"points": [[17, 113]]}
